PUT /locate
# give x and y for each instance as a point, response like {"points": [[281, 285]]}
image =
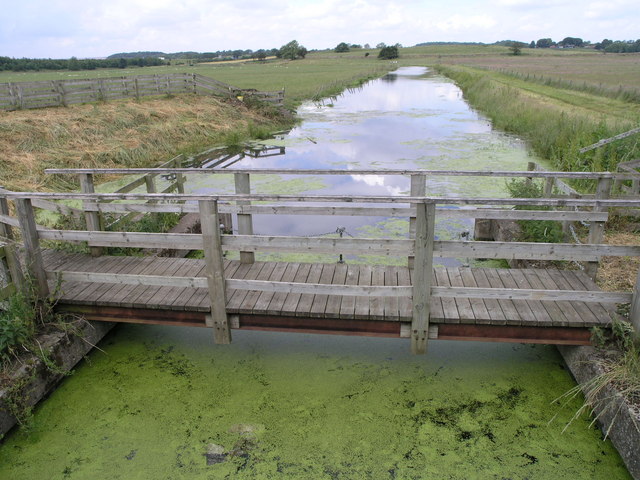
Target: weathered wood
{"points": [[215, 270], [281, 171], [422, 276], [33, 254], [245, 221], [92, 217], [596, 229], [418, 189], [11, 257]]}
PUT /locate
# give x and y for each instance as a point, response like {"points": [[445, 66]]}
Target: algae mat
{"points": [[165, 403]]}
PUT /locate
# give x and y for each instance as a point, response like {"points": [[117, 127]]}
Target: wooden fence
{"points": [[55, 93], [422, 245]]}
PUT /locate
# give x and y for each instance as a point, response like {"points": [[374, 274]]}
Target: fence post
{"points": [[596, 229], [34, 263], [13, 263], [418, 189], [422, 276], [177, 163], [212, 247], [245, 221], [91, 214]]}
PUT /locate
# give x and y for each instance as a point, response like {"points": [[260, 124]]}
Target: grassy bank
{"points": [[120, 134], [555, 122]]}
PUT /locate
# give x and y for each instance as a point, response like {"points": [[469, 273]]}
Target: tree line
{"points": [[73, 63]]}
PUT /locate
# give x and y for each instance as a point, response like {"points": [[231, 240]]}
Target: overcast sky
{"points": [[92, 28]]}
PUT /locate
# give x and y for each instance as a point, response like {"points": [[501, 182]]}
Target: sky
{"points": [[92, 28]]}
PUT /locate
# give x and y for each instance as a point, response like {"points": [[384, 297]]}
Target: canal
{"points": [[166, 403]]}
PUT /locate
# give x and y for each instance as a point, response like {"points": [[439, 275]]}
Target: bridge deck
{"points": [[187, 306]]}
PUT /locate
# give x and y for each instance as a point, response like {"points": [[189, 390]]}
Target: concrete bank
{"points": [[30, 380], [622, 420]]}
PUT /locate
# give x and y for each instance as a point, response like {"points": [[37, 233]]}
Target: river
{"points": [[153, 401]]}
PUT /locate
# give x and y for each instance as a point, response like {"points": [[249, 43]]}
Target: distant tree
{"points": [[260, 54], [603, 44], [292, 50], [355, 45], [342, 48], [381, 45], [532, 44], [544, 43], [387, 53], [367, 46], [571, 42], [516, 47]]}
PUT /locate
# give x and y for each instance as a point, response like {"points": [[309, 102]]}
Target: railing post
{"points": [[91, 214], [13, 264], [34, 263], [422, 276], [596, 229], [212, 247], [634, 315], [418, 189], [245, 221], [549, 182], [177, 163], [531, 167]]}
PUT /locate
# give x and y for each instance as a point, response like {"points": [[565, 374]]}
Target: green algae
{"points": [[298, 406]]}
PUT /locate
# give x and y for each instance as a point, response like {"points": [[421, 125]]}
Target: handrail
{"points": [[276, 171], [352, 199]]}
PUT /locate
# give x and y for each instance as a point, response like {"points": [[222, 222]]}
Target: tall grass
{"points": [[553, 132]]}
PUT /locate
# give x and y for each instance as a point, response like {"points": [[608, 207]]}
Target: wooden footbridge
{"points": [[416, 301]]}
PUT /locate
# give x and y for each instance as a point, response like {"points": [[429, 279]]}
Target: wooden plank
{"points": [[140, 297], [537, 307], [127, 295], [332, 309], [348, 304], [200, 299], [449, 307], [466, 279], [556, 315], [465, 311], [319, 304], [277, 302], [509, 309], [527, 317], [235, 301], [262, 304], [361, 311], [179, 297], [251, 298], [376, 303], [494, 310], [96, 292], [573, 318], [320, 289], [586, 315], [391, 304], [166, 294], [405, 306], [291, 301], [600, 311], [81, 292], [306, 300]]}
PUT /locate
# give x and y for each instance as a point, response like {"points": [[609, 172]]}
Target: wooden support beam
{"points": [[245, 222], [34, 263], [422, 276], [418, 189], [596, 229], [92, 217], [212, 247]]}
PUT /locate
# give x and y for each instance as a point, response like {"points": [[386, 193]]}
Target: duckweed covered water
{"points": [[315, 407]]}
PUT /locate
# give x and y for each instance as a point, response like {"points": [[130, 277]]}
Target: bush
{"points": [[547, 231], [389, 52], [17, 325]]}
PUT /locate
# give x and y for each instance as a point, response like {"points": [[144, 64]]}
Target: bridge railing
{"points": [[424, 247]]}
